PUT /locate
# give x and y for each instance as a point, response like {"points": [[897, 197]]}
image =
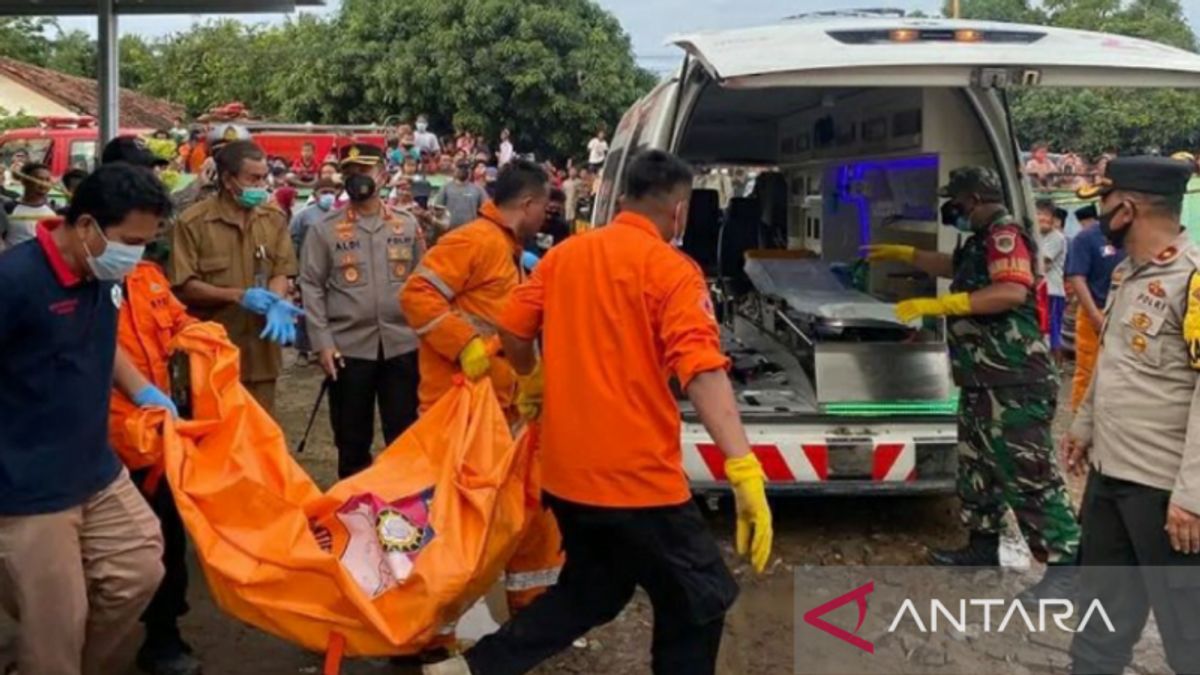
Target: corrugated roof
{"points": [[81, 95]]}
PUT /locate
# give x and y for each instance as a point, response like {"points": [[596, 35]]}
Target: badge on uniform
{"points": [[1142, 322], [345, 231], [350, 274], [1006, 242], [1138, 344], [1156, 289], [1108, 251], [1168, 254]]}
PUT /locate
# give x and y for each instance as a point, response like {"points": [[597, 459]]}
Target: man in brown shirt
{"points": [[231, 259]]}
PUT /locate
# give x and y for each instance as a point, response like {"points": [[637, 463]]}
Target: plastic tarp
{"points": [[808, 286], [413, 541]]}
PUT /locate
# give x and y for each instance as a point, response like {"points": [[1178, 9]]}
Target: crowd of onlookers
{"points": [[1049, 171]]}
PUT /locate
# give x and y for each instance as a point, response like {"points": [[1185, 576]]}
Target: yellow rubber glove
{"points": [[754, 532], [474, 359], [957, 304], [889, 253], [529, 394]]}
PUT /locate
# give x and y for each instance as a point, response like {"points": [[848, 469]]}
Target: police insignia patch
{"points": [[1168, 254], [230, 133], [400, 270], [350, 274], [1156, 289], [1141, 321], [1005, 242]]}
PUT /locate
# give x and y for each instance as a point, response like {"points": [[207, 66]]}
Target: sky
{"points": [[649, 22]]}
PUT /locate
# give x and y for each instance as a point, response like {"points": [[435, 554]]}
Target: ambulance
{"points": [[858, 117]]}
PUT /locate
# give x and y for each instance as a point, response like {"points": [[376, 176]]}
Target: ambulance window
{"points": [[650, 116], [36, 149], [83, 156]]}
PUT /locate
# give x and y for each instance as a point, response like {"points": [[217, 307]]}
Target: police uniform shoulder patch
{"points": [[1191, 321]]}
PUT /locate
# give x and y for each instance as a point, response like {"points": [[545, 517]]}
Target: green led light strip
{"points": [[947, 407]]}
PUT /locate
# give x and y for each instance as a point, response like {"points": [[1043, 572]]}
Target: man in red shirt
{"points": [[618, 310]]}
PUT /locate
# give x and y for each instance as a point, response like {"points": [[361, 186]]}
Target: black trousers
{"points": [[352, 400], [1130, 567], [668, 551], [170, 600]]}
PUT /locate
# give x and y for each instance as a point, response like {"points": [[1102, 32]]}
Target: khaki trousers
{"points": [[264, 393], [76, 581]]}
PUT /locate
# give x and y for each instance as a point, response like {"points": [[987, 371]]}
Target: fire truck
{"points": [[68, 142]]}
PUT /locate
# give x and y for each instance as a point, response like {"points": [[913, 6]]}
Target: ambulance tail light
{"points": [[918, 35]]}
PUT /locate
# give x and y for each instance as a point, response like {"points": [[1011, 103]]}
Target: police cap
{"points": [[363, 154], [978, 180], [1148, 175]]}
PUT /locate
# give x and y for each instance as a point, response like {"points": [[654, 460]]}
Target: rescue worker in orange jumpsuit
{"points": [[453, 301], [617, 309], [149, 318]]}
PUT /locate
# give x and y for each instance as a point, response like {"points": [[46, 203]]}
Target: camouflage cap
{"points": [[973, 179]]}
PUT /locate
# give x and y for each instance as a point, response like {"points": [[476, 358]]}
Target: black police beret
{"points": [[1149, 175]]}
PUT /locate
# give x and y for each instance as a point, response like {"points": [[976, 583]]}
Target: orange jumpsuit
{"points": [[457, 293], [150, 316]]}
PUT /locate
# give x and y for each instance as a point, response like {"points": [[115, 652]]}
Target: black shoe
{"points": [[983, 550], [1060, 582], [170, 656]]}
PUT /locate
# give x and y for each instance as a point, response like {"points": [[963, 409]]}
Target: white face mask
{"points": [[678, 227], [117, 260]]}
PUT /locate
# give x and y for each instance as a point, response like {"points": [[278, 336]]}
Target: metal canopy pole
{"points": [[109, 70]]}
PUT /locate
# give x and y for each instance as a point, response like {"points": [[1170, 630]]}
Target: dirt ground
{"points": [[758, 635]]}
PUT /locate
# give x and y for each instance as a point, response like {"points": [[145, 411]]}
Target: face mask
{"points": [[251, 197], [325, 202], [963, 224], [422, 126], [678, 227], [360, 187], [117, 260], [1116, 238]]}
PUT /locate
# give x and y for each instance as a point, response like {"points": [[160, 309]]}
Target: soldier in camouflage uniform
{"points": [[1009, 384]]}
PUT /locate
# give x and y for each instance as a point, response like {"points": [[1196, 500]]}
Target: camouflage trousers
{"points": [[1006, 459]]}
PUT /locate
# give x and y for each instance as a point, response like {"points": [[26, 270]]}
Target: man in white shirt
{"points": [[506, 147], [34, 205], [425, 140], [597, 151], [1053, 245]]}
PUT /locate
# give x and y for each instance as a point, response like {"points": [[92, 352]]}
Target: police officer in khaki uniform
{"points": [[354, 263], [1139, 426], [230, 262]]}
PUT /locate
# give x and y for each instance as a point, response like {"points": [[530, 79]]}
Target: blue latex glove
{"points": [[529, 260], [281, 323], [259, 300], [151, 396]]}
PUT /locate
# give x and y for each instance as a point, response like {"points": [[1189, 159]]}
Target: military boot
{"points": [[982, 550], [1060, 582]]}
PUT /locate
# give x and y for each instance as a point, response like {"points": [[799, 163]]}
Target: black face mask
{"points": [[950, 213], [1116, 238], [360, 187]]}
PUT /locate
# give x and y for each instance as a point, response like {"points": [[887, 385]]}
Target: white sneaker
{"points": [[455, 666]]}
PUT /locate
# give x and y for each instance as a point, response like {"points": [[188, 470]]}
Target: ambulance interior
{"points": [[811, 327]]}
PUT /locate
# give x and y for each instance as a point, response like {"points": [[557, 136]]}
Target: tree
{"points": [[550, 70], [1095, 120], [73, 53], [24, 39]]}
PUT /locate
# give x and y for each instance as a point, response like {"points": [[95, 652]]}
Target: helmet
{"points": [[220, 134], [978, 179]]}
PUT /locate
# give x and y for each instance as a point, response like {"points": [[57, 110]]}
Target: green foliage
{"points": [[17, 120], [1095, 120], [550, 70]]}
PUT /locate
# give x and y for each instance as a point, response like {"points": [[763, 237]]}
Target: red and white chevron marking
{"points": [[800, 462]]}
